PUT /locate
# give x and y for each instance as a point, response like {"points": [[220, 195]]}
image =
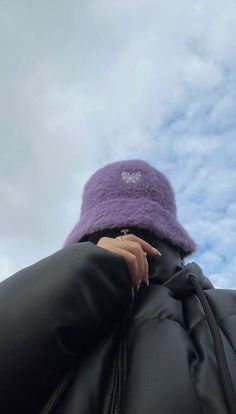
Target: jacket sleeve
{"points": [[52, 313]]}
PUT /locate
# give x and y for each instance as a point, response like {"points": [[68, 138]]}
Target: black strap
{"points": [[226, 380]]}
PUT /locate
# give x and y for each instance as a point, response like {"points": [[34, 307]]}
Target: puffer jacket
{"points": [[76, 338]]}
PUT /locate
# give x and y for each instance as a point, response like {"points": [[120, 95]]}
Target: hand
{"points": [[134, 250]]}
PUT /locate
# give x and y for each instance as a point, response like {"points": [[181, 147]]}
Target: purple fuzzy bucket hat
{"points": [[130, 193]]}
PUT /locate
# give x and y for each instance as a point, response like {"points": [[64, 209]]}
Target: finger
{"points": [[135, 248], [131, 262], [148, 248], [146, 271]]}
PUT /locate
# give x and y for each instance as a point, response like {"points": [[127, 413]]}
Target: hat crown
{"points": [[127, 180], [130, 193]]}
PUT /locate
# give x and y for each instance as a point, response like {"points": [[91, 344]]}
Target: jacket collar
{"points": [[168, 270]]}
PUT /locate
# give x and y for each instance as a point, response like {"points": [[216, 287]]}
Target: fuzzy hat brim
{"points": [[162, 223]]}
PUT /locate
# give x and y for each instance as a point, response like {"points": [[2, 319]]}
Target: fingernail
{"points": [[138, 285], [156, 251]]}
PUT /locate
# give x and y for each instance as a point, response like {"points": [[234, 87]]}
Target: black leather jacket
{"points": [[76, 339]]}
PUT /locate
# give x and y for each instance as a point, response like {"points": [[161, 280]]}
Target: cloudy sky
{"points": [[84, 83]]}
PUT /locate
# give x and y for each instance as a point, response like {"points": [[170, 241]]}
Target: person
{"points": [[106, 324]]}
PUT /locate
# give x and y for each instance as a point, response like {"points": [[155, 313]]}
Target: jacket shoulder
{"points": [[222, 301]]}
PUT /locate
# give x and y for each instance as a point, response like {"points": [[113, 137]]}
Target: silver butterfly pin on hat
{"points": [[132, 177]]}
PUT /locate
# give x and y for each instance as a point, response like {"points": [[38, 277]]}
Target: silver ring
{"points": [[119, 238]]}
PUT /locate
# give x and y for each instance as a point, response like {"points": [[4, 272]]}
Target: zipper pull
{"points": [[124, 231]]}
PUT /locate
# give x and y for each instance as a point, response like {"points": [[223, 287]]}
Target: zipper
{"points": [[51, 403], [118, 376]]}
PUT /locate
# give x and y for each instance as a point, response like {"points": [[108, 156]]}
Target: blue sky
{"points": [[87, 83]]}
